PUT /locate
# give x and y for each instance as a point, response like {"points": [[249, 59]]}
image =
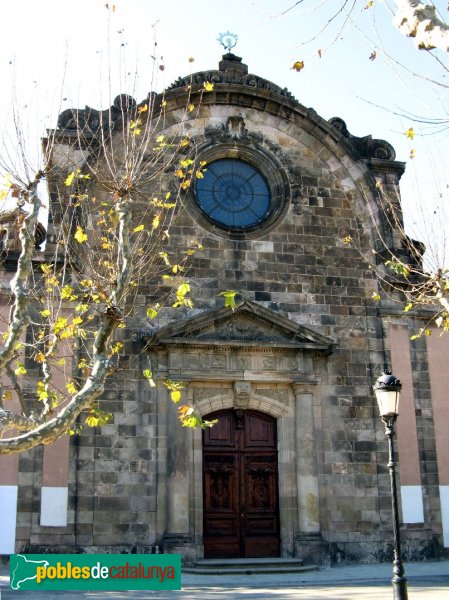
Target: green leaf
{"points": [[229, 296], [398, 267], [181, 300], [149, 375]]}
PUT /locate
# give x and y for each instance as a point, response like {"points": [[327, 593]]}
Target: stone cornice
{"points": [[250, 326], [233, 85]]}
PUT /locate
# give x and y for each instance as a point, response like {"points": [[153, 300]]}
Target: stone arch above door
{"points": [[240, 395]]}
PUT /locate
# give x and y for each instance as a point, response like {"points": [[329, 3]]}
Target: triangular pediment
{"points": [[249, 324]]}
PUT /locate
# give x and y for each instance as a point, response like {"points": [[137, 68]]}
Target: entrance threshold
{"points": [[248, 566]]}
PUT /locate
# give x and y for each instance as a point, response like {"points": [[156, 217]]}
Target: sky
{"points": [[59, 54]]}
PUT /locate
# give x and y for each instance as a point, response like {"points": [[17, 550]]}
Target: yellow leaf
{"points": [[40, 357], [208, 86], [79, 235], [69, 179], [67, 293], [190, 107], [298, 66], [152, 313], [20, 369], [116, 347], [143, 108], [156, 222], [70, 387], [176, 396], [59, 325], [139, 228], [410, 133], [164, 257], [45, 313]]}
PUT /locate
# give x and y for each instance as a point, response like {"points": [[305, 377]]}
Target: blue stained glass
{"points": [[233, 193]]}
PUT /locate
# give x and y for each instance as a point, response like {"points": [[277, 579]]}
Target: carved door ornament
{"points": [[242, 394]]}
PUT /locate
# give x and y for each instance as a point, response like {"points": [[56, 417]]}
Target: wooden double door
{"points": [[241, 512]]}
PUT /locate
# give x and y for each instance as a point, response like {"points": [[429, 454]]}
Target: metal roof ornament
{"points": [[228, 40]]}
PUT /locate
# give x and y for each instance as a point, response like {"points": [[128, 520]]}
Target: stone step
{"points": [[248, 566]]}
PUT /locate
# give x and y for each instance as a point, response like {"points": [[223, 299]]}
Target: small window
{"points": [[233, 194]]}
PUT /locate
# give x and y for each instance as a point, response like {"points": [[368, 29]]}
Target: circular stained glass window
{"points": [[233, 193]]}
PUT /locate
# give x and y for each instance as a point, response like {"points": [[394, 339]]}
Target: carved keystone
{"points": [[242, 393]]}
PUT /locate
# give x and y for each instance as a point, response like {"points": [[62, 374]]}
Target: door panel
{"points": [[241, 516]]}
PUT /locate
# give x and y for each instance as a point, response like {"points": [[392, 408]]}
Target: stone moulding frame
{"points": [[218, 148], [249, 358]]}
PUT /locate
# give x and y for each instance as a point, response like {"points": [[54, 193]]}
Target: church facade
{"points": [[297, 464]]}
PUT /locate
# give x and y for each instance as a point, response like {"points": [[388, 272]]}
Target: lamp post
{"points": [[388, 389]]}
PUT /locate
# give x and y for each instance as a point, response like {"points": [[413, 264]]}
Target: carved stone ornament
{"points": [[364, 147], [250, 325], [279, 394], [235, 126], [90, 120], [231, 70], [10, 225], [242, 394], [233, 129]]}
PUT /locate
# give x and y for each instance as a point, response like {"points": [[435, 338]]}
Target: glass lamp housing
{"points": [[388, 390]]}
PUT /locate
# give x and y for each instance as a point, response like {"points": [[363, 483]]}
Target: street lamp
{"points": [[388, 389]]}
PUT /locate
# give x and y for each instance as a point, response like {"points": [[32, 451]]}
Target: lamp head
{"points": [[388, 389]]}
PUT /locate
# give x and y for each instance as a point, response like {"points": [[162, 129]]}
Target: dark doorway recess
{"points": [[241, 512]]}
